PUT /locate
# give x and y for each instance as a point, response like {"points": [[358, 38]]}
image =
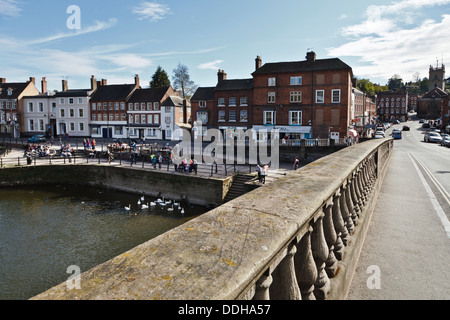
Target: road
{"points": [[406, 254]]}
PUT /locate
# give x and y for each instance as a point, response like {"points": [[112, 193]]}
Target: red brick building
{"points": [[301, 99], [392, 105]]}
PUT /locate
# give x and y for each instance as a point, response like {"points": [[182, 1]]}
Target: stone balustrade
{"points": [[296, 238]]}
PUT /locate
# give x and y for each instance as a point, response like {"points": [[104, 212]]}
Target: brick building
{"points": [[392, 105], [302, 99]]}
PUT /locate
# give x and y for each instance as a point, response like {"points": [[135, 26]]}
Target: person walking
{"points": [[296, 162], [258, 171], [263, 175]]}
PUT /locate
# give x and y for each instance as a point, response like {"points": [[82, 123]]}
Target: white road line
{"points": [[435, 203], [445, 194]]}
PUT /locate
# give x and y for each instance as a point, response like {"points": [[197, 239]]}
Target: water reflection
{"points": [[44, 230]]}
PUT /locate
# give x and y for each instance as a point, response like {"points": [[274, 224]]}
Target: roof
{"points": [[235, 84], [112, 92], [148, 94], [204, 93], [435, 93], [17, 89], [174, 101], [73, 93], [303, 66]]}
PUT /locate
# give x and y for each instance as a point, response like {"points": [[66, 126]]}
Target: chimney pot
{"points": [[44, 85], [258, 62], [221, 75], [136, 80], [65, 86], [311, 56], [2, 80]]}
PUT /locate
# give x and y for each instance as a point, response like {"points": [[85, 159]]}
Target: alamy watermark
{"points": [[74, 20], [374, 280], [74, 281], [237, 146]]}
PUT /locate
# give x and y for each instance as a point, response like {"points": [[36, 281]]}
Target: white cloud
{"points": [[152, 11], [389, 42], [213, 65], [9, 8], [98, 26]]}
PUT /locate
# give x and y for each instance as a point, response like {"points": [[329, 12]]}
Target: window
{"points": [[149, 118], [320, 96], [81, 126], [123, 116], [116, 106], [269, 117], [62, 113], [105, 106], [30, 106], [296, 81], [72, 126], [80, 113], [221, 102], [202, 104], [319, 116], [156, 106], [137, 118], [110, 105], [80, 101], [335, 96], [130, 106], [295, 97], [61, 100], [136, 106], [149, 106], [142, 106], [94, 117], [71, 113], [8, 104], [271, 82], [94, 106], [122, 106], [221, 117], [232, 102], [31, 125], [156, 117], [232, 116], [271, 97], [335, 117], [105, 117], [202, 116], [41, 107], [143, 118], [243, 101], [70, 100], [295, 117], [41, 124], [243, 116], [167, 109], [111, 117], [116, 117]]}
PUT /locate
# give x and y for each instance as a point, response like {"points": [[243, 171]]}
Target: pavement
{"points": [[406, 254]]}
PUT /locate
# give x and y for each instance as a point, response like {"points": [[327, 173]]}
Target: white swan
{"points": [[144, 206], [152, 204], [176, 204], [139, 202], [182, 210], [160, 200], [168, 202], [170, 209], [142, 198], [128, 208]]}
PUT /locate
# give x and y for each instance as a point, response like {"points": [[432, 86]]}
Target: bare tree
{"points": [[182, 81]]}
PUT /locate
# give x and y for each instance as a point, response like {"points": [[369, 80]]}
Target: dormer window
{"points": [[10, 92]]}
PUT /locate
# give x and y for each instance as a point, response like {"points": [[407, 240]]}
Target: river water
{"points": [[45, 230]]}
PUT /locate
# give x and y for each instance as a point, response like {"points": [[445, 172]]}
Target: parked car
{"points": [[425, 125], [397, 134], [445, 142], [421, 121], [396, 121], [379, 135], [406, 128], [432, 137], [37, 138], [445, 135]]}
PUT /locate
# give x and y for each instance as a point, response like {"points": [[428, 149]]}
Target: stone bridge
{"points": [[299, 237]]}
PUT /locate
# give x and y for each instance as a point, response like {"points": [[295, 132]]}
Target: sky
{"points": [[114, 40]]}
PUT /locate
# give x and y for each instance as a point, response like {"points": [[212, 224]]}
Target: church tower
{"points": [[437, 77]]}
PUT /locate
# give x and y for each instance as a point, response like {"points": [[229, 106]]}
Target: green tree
{"points": [[182, 81], [395, 83], [160, 79]]}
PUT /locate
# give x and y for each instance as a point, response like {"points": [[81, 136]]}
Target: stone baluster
{"points": [[320, 254], [358, 188], [345, 199], [262, 287], [305, 267], [339, 226], [330, 237], [285, 286], [353, 200]]}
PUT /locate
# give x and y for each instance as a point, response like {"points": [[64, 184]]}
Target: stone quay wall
{"points": [[299, 237], [195, 189]]}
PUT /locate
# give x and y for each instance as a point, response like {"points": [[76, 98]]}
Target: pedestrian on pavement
{"points": [[296, 162], [263, 175], [258, 170]]}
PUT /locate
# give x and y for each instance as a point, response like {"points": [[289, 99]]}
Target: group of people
{"points": [[185, 166], [88, 144], [262, 171]]}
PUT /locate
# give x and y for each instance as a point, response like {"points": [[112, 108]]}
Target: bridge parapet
{"points": [[296, 238]]}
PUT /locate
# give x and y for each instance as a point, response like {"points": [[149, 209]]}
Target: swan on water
{"points": [[170, 209], [144, 206], [152, 204], [128, 208], [182, 210]]}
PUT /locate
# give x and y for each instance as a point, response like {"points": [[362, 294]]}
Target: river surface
{"points": [[46, 230]]}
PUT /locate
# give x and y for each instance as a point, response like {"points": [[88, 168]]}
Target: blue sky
{"points": [[118, 39]]}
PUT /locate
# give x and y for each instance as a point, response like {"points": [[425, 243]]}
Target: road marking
{"points": [[434, 202], [445, 194]]}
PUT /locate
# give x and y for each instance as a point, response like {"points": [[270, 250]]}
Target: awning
{"points": [[353, 132]]}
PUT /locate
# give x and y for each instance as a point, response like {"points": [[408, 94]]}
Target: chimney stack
{"points": [[221, 75], [258, 62], [104, 82], [93, 83], [185, 119], [136, 81], [311, 56], [65, 86], [33, 80], [44, 85]]}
